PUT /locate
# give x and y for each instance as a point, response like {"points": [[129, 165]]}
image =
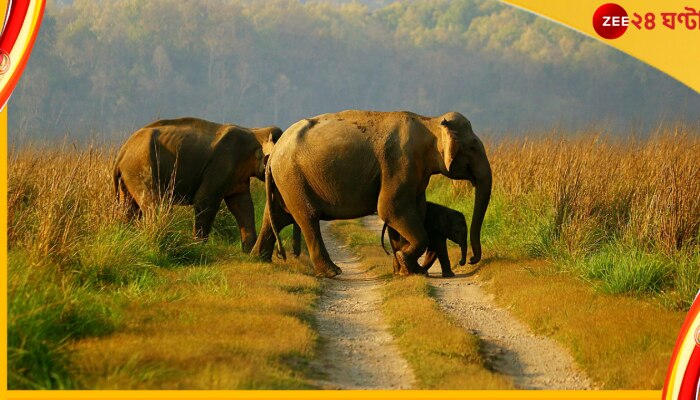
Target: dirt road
{"points": [[532, 362], [357, 350]]}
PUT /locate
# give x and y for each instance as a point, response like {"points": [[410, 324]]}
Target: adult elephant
{"points": [[353, 163], [191, 161]]}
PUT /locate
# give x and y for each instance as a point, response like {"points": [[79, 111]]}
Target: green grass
{"points": [[628, 270], [525, 226], [46, 311]]}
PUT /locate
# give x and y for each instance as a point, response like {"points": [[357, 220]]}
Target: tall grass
{"points": [[74, 258], [624, 213]]}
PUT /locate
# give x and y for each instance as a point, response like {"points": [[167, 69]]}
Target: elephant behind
{"points": [[441, 223], [191, 161], [354, 163]]}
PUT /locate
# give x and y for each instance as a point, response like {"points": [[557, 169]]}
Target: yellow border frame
{"points": [[353, 394]]}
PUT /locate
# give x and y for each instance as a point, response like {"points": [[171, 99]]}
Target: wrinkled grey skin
{"points": [[190, 161], [354, 163], [441, 223]]}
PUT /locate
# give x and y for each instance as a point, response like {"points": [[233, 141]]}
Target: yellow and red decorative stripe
{"points": [[21, 25], [683, 377]]}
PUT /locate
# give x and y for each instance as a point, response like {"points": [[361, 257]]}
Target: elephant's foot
{"points": [[408, 265], [263, 252], [280, 255], [424, 270], [262, 256], [328, 271], [247, 246], [396, 266], [448, 274]]}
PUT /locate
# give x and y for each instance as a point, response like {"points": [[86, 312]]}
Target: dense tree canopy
{"points": [[107, 67]]}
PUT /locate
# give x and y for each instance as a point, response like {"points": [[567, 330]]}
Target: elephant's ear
{"points": [[275, 134], [450, 144], [268, 145]]}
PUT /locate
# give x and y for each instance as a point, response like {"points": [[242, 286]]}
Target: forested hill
{"points": [[107, 67]]}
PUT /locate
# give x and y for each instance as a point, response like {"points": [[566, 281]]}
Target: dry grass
{"points": [[647, 191], [79, 273], [612, 337], [55, 197], [440, 352], [229, 326]]}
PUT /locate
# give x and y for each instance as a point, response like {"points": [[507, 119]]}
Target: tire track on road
{"points": [[356, 349]]}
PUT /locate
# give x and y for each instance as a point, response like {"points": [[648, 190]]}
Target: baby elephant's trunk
{"points": [[463, 246]]}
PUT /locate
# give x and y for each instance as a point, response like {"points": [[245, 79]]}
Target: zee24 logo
{"points": [[610, 20]]}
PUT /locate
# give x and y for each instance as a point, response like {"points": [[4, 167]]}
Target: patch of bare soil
{"points": [[531, 361], [356, 349]]}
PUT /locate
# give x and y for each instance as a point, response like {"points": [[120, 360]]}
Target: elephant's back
{"points": [[159, 154], [336, 159], [186, 122]]}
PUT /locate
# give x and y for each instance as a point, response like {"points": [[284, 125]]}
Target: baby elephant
{"points": [[441, 223]]}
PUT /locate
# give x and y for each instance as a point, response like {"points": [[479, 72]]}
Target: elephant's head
{"points": [[267, 137], [462, 156]]}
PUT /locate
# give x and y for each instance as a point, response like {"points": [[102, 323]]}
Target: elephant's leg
{"points": [[410, 227], [396, 242], [265, 244], [323, 265], [204, 213], [406, 214], [296, 239], [444, 257], [132, 211], [241, 206], [429, 260], [139, 198]]}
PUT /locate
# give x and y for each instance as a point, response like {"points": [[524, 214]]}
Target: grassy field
{"points": [[79, 276], [622, 214], [617, 220]]}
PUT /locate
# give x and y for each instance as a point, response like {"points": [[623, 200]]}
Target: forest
{"points": [[101, 69]]}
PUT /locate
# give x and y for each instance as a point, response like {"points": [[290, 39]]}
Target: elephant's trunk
{"points": [[463, 247], [482, 196]]}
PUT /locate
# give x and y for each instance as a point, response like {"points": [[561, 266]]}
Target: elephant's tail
{"points": [[269, 187], [383, 231], [117, 177]]}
